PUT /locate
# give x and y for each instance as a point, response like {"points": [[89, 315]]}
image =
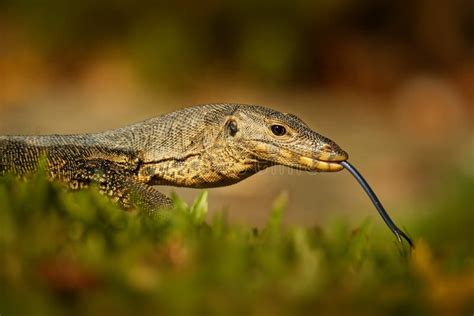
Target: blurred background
{"points": [[392, 82]]}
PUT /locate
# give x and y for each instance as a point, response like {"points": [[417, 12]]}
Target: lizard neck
{"points": [[206, 170]]}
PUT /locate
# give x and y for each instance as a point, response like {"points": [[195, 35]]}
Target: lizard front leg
{"points": [[120, 183], [145, 197], [129, 192]]}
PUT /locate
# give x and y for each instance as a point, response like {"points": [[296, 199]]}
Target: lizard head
{"points": [[276, 138]]}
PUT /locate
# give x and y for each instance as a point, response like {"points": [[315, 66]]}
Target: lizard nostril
{"points": [[331, 152]]}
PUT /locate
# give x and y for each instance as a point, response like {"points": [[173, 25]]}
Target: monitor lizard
{"points": [[201, 146]]}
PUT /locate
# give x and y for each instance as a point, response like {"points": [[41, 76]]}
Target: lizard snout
{"points": [[332, 153], [327, 157]]}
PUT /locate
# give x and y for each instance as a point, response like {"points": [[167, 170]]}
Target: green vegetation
{"points": [[65, 254]]}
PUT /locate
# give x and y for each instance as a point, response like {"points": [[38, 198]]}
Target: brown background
{"points": [[392, 84]]}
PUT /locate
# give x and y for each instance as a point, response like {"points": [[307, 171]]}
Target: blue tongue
{"points": [[397, 231]]}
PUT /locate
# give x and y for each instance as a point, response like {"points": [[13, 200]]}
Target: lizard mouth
{"points": [[321, 165], [328, 166]]}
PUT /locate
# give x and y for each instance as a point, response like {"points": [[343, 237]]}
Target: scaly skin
{"points": [[200, 147]]}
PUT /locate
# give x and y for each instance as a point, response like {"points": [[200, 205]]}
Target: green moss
{"points": [[76, 253]]}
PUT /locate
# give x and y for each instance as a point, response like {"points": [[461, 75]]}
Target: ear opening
{"points": [[231, 127]]}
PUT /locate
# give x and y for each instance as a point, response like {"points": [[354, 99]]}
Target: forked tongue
{"points": [[397, 231]]}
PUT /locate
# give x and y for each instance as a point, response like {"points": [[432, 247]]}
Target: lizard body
{"points": [[202, 146]]}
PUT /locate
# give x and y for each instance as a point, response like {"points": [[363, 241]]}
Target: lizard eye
{"points": [[232, 128], [278, 130]]}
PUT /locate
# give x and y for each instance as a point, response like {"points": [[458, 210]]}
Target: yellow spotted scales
{"points": [[201, 147]]}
